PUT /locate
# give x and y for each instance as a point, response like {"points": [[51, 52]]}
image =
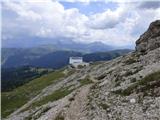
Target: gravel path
{"points": [[77, 109]]}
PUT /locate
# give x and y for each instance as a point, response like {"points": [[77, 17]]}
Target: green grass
{"points": [[85, 81], [56, 95], [21, 95], [147, 83]]}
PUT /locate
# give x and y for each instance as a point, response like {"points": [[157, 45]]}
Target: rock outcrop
{"points": [[150, 39], [126, 88]]}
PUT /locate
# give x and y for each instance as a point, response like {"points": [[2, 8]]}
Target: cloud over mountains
{"points": [[119, 23]]}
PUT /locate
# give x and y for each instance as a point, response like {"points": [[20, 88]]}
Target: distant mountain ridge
{"points": [[50, 58], [62, 44], [59, 59]]}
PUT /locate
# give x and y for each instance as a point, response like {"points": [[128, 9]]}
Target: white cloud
{"points": [[48, 18], [107, 19], [118, 1]]}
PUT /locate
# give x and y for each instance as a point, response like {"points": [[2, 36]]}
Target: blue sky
{"points": [[113, 22], [90, 8]]}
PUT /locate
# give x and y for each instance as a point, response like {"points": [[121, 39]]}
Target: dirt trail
{"points": [[77, 109]]}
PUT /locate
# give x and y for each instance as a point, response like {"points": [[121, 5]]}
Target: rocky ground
{"points": [[126, 88]]}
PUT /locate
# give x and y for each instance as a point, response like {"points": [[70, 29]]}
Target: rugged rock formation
{"points": [[150, 39], [126, 88]]}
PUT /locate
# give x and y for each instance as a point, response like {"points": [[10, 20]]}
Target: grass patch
{"points": [[130, 61], [56, 95], [13, 100], [85, 81], [149, 82], [70, 72]]}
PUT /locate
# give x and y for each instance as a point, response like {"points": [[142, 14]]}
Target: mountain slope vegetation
{"points": [[13, 99], [14, 77]]}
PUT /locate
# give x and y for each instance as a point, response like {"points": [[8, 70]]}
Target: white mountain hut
{"points": [[77, 61]]}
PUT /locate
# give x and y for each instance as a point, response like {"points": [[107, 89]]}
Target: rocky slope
{"points": [[126, 88]]}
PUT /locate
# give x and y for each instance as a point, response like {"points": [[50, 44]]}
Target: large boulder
{"points": [[150, 40]]}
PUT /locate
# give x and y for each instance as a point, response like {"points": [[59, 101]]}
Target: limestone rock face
{"points": [[150, 40]]}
